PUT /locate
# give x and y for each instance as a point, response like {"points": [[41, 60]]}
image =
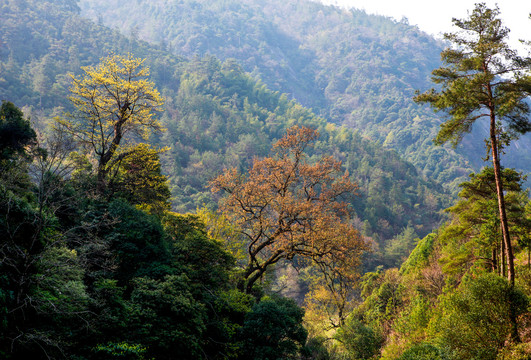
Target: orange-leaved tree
{"points": [[287, 207]]}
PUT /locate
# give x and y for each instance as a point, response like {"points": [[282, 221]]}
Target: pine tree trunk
{"points": [[503, 263], [494, 260], [499, 188], [504, 225], [501, 204]]}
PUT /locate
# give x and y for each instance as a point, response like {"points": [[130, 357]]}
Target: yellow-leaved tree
{"points": [[114, 102]]}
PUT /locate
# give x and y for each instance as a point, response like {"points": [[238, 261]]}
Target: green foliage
{"points": [[398, 249], [475, 79], [422, 352], [166, 318], [383, 294], [416, 318], [120, 350], [474, 322], [206, 262], [473, 238], [226, 312], [84, 278], [209, 268], [139, 179], [299, 48], [360, 341], [316, 349], [369, 325], [111, 100], [138, 241], [420, 255], [20, 244], [273, 330], [220, 228], [217, 115], [60, 290], [211, 127], [516, 352], [42, 294], [409, 330], [105, 279], [483, 78], [15, 132]]}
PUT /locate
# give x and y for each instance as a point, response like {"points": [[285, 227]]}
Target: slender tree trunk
{"points": [[501, 200], [503, 219], [503, 263], [494, 261], [504, 225]]}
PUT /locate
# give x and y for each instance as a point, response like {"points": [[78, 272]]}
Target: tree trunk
{"points": [[494, 260], [108, 154], [504, 225], [102, 174], [252, 279], [499, 189], [501, 200], [503, 263]]}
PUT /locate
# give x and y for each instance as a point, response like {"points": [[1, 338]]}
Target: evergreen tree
{"points": [[15, 132], [483, 78]]}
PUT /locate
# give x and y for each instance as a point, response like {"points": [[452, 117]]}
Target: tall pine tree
{"points": [[483, 78]]}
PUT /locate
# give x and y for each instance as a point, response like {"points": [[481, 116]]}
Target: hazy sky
{"points": [[435, 17]]}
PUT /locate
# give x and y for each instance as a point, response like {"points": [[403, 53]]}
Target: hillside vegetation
{"points": [[239, 188], [351, 68], [215, 113]]}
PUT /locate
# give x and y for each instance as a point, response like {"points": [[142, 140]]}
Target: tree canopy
{"points": [[16, 133], [112, 100], [288, 207]]}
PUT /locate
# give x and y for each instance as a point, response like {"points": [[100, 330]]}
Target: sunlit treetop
{"points": [[112, 100]]}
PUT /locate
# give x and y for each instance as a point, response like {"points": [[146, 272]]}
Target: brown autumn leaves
{"points": [[287, 207]]}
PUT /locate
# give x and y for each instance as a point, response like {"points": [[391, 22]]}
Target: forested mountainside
{"points": [[351, 68], [215, 216], [216, 116]]}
